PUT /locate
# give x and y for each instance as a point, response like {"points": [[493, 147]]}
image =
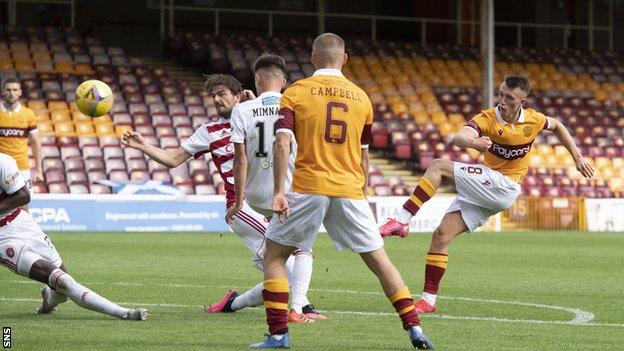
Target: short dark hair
{"points": [[226, 80], [269, 61], [520, 82], [11, 80]]}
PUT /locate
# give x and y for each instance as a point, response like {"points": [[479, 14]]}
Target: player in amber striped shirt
{"points": [[505, 134], [18, 127], [330, 119]]}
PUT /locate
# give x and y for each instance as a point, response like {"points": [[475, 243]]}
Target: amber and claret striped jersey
{"points": [[511, 143], [15, 126], [214, 137], [331, 119]]}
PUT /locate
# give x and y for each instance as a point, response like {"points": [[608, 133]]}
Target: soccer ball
{"points": [[94, 98]]}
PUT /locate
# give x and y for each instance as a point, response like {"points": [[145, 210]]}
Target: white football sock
{"points": [[404, 216], [430, 298], [300, 283], [84, 297], [251, 298], [55, 298]]}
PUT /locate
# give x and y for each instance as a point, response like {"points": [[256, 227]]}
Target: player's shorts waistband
{"points": [[8, 219]]}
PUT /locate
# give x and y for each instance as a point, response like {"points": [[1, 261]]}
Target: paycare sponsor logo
{"points": [[12, 132], [510, 152]]}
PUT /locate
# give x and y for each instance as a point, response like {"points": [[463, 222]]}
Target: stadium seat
{"points": [[99, 189]]}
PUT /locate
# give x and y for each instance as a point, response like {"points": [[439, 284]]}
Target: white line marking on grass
{"points": [[580, 317], [376, 314]]}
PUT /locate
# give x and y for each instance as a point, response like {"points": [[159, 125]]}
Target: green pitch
{"points": [[520, 291]]}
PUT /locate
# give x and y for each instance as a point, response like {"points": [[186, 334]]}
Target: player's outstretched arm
{"points": [[566, 140], [17, 199], [467, 137], [167, 158], [281, 152], [240, 179]]}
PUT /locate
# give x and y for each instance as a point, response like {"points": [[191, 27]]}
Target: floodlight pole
{"points": [[487, 52]]}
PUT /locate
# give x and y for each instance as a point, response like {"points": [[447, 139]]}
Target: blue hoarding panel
{"points": [[128, 215]]}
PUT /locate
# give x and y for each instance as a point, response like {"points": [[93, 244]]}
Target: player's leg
{"points": [[251, 227], [46, 272], [51, 298], [299, 286], [425, 189], [437, 258], [351, 224], [283, 237]]}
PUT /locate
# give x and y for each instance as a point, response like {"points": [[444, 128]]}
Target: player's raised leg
{"points": [[63, 283], [425, 189]]}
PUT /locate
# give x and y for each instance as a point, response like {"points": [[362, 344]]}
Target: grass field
{"points": [[520, 291]]}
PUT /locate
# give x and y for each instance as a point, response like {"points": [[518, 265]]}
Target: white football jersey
{"points": [[253, 123], [10, 178]]}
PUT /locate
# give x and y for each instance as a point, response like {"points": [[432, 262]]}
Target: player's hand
{"points": [[133, 139], [280, 206], [231, 211], [38, 177], [482, 144], [247, 95], [584, 167]]}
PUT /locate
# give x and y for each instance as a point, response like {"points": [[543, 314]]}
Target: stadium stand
{"points": [[422, 95]]}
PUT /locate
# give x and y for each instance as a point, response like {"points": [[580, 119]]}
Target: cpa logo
{"points": [[229, 148]]}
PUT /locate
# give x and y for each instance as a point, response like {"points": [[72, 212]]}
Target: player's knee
{"points": [[442, 236]]}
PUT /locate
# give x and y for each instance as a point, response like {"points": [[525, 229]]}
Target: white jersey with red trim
{"points": [[214, 137], [10, 179], [253, 124]]}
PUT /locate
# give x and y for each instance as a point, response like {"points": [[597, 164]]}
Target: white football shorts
{"points": [[22, 243], [350, 223], [481, 193], [251, 227]]}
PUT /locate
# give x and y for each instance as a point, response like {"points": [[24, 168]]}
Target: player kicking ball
{"points": [[505, 134], [27, 251]]}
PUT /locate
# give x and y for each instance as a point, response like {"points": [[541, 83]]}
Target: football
{"points": [[94, 98]]}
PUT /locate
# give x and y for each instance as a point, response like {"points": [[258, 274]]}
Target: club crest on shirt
{"points": [[527, 131], [10, 252]]}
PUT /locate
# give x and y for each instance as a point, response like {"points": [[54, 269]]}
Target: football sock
{"points": [[251, 298], [300, 280], [56, 298], [423, 192], [82, 296], [404, 305], [434, 270], [275, 295]]}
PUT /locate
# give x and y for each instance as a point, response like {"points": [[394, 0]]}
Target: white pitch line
{"points": [[581, 317], [361, 313]]}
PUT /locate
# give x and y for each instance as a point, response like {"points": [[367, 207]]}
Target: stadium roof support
{"points": [[487, 52]]}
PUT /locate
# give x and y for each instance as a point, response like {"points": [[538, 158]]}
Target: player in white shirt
{"points": [[214, 137], [253, 135], [27, 251]]}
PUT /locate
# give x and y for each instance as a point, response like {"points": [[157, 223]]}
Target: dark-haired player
{"points": [[505, 134]]}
